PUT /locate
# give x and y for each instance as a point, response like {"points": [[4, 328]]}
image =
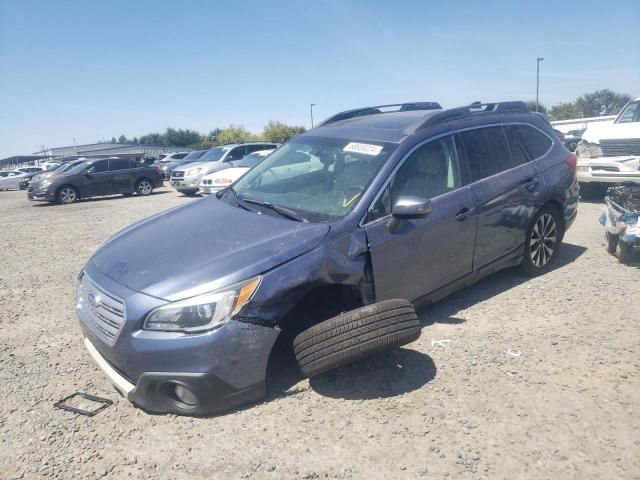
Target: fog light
{"points": [[185, 395]]}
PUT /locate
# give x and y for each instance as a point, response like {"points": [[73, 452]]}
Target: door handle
{"points": [[463, 214], [530, 184]]}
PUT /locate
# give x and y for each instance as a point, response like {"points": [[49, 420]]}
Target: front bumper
{"points": [[210, 189], [186, 184], [223, 368], [42, 195], [608, 169]]}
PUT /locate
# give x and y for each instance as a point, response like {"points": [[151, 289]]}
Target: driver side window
{"points": [[98, 167], [432, 170]]}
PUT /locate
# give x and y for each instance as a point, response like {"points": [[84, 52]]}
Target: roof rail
{"points": [[474, 109], [360, 112]]}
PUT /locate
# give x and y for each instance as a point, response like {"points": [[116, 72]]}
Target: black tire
{"points": [[612, 242], [356, 335], [190, 193], [144, 187], [67, 194], [542, 242], [625, 252], [592, 191]]}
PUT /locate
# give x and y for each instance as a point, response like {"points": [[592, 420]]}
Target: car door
{"points": [[503, 191], [423, 255], [96, 179], [122, 176]]}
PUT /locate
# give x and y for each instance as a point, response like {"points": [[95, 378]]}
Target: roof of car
{"points": [[372, 123]]}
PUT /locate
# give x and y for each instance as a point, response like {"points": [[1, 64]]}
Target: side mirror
{"points": [[407, 208]]}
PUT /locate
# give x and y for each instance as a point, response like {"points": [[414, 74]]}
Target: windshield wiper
{"points": [[285, 212], [238, 200]]}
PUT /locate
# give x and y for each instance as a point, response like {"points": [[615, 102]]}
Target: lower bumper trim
{"points": [[118, 381]]}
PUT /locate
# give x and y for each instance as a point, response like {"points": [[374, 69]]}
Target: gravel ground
{"points": [[532, 378]]}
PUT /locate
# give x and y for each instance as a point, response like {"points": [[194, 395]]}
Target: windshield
{"points": [[251, 160], [191, 157], [630, 114], [321, 179], [213, 155], [78, 168]]}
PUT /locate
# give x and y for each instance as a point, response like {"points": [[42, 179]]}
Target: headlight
{"points": [[194, 171], [588, 150], [223, 181], [203, 312]]}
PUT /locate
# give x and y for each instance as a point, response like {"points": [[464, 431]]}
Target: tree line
{"points": [[273, 131], [596, 104]]}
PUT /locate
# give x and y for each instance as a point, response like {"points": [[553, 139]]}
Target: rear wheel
{"points": [[144, 187], [542, 242], [67, 194], [625, 252]]}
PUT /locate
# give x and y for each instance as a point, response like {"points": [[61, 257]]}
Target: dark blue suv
{"points": [[182, 310]]}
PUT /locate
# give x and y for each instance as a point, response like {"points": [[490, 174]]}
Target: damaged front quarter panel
{"points": [[341, 260]]}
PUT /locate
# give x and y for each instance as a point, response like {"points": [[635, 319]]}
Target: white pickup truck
{"points": [[610, 152]]}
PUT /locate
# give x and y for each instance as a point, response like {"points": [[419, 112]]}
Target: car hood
{"points": [[200, 247], [234, 172], [611, 131]]}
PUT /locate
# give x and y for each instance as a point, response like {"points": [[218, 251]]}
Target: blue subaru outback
{"points": [[375, 208]]}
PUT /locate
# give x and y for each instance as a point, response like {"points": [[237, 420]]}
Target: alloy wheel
{"points": [[543, 240], [68, 195], [144, 187]]}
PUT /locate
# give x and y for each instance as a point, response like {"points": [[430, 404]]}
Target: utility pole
{"points": [[538, 81], [311, 108]]}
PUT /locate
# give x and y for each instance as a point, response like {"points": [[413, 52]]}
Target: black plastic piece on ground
{"points": [[61, 404]]}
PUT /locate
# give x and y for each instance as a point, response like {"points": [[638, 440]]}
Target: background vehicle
{"points": [[390, 207], [50, 165], [31, 169], [214, 182], [572, 137], [187, 177], [10, 179], [171, 157], [167, 168], [609, 153], [92, 178]]}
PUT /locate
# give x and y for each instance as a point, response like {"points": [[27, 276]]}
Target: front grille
{"points": [[606, 169], [177, 174], [102, 312], [616, 148]]}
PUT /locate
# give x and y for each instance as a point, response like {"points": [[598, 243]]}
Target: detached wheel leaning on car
{"points": [[144, 187], [67, 194], [542, 242], [355, 335]]}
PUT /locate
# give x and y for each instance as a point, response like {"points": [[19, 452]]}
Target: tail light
{"points": [[572, 161]]}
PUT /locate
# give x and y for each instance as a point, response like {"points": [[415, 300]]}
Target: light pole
{"points": [[538, 80], [311, 109]]}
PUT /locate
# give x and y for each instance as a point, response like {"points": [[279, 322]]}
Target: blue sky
{"points": [[94, 70]]}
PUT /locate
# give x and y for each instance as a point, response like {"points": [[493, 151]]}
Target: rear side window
{"points": [[237, 153], [134, 164], [526, 143], [486, 152], [118, 164]]}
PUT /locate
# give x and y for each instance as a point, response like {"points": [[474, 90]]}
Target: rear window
{"points": [[486, 152], [526, 143]]}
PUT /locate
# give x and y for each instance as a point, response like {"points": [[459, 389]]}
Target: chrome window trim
{"points": [[362, 223]]}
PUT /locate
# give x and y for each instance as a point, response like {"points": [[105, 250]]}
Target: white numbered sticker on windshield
{"points": [[364, 148]]}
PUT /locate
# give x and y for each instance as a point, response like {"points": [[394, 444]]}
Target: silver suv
{"points": [[186, 178]]}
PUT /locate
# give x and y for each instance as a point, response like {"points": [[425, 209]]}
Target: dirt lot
{"points": [[533, 378]]}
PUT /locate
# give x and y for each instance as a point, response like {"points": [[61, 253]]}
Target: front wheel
{"points": [[542, 242], [144, 187], [625, 252], [67, 194]]}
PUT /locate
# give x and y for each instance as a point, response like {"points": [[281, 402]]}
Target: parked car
{"points": [[216, 181], [609, 153], [50, 165], [10, 179], [167, 168], [29, 170], [410, 204], [572, 138], [171, 157], [187, 177], [94, 178]]}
